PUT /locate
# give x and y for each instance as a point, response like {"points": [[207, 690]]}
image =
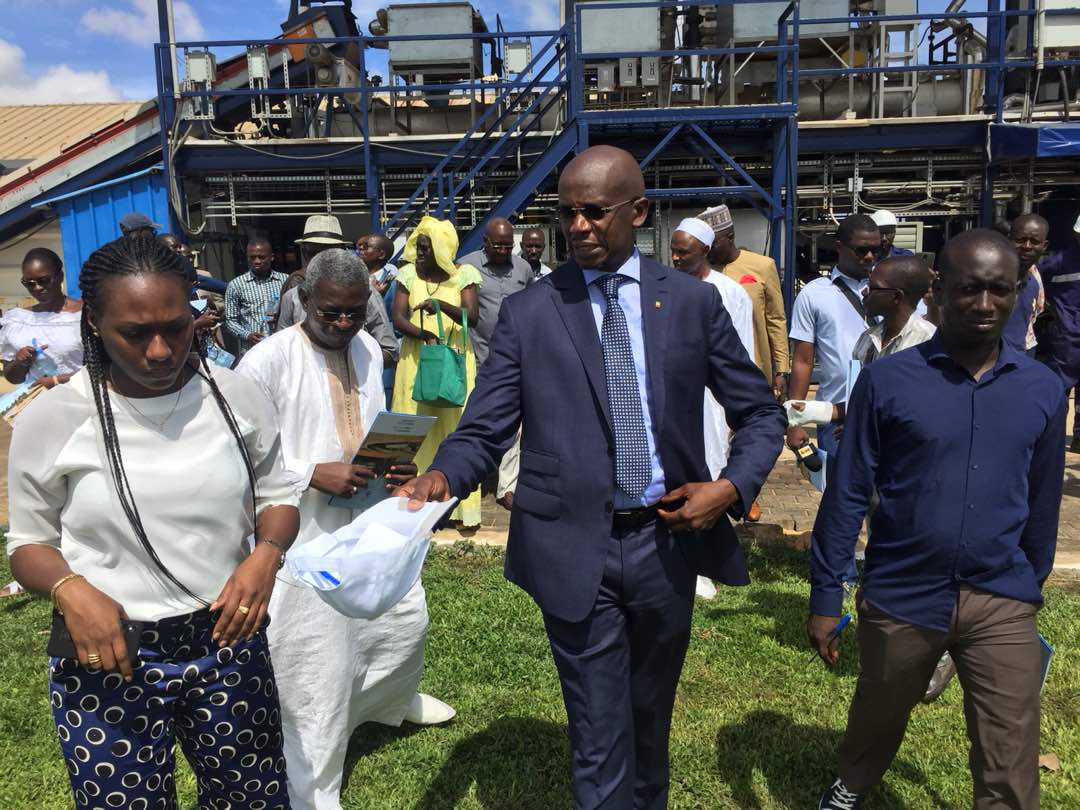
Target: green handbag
{"points": [[440, 377]]}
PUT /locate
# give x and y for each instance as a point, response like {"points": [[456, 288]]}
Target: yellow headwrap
{"points": [[444, 242]]}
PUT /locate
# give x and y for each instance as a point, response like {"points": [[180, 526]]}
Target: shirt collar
{"points": [[631, 268], [1007, 355], [854, 283], [877, 331]]}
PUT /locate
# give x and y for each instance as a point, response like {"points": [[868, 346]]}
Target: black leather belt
{"points": [[634, 518]]}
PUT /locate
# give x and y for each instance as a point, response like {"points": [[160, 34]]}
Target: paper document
{"points": [[394, 438], [1047, 654]]}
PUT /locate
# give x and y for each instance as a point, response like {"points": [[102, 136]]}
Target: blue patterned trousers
{"points": [[221, 704]]}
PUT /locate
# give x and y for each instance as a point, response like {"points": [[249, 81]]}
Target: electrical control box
{"points": [[200, 67], [650, 71], [605, 77]]}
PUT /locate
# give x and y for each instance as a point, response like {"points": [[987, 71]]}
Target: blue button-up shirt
{"points": [[630, 301], [969, 476]]}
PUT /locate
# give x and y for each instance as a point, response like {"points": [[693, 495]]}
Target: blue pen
{"points": [[845, 620], [331, 579]]}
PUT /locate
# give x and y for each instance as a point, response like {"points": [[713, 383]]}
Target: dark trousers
{"points": [[994, 645], [221, 704], [619, 668]]}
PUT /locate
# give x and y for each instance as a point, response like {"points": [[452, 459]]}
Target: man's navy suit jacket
{"points": [[545, 372]]}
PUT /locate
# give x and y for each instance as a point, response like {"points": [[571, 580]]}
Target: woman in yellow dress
{"points": [[432, 274]]}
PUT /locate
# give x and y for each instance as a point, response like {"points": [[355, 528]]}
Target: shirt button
{"points": [[974, 466], [971, 506], [977, 426]]}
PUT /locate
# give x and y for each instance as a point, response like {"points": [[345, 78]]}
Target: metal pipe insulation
{"points": [[172, 49]]}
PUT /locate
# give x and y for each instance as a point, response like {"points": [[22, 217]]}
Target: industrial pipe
{"points": [[172, 48]]}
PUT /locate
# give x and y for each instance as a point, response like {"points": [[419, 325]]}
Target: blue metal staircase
{"points": [[516, 114]]}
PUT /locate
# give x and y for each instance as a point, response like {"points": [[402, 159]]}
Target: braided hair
{"points": [[130, 257]]}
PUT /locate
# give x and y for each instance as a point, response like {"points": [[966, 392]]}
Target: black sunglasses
{"points": [[591, 212], [30, 283], [335, 315]]}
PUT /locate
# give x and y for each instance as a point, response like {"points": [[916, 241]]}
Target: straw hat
{"points": [[322, 229]]}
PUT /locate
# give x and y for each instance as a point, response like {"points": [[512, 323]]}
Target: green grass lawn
{"points": [[755, 726]]}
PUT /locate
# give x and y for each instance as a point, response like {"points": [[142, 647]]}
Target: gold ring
{"points": [[243, 609], [93, 658]]}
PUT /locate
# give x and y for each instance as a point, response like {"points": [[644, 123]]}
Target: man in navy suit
{"points": [[604, 365]]}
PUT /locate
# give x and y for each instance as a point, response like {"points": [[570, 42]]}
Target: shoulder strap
{"points": [[852, 298]]}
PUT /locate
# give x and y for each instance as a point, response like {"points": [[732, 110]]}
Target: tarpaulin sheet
{"points": [[1010, 141]]}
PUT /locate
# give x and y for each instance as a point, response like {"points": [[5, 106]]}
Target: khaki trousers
{"points": [[994, 644]]}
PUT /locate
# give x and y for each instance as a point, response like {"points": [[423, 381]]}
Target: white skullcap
{"points": [[697, 229], [1076, 227], [884, 219], [718, 218]]}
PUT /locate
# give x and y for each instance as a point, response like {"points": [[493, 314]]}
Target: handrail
{"points": [[437, 172]]}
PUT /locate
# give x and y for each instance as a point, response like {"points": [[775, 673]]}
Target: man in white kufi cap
{"points": [[690, 243]]}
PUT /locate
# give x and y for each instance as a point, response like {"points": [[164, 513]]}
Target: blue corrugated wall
{"points": [[89, 219]]}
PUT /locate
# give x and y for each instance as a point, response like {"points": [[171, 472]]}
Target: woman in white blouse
{"points": [[53, 322], [133, 491]]}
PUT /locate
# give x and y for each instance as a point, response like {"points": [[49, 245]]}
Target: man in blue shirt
{"points": [[962, 438], [827, 320], [1028, 234], [1061, 340]]}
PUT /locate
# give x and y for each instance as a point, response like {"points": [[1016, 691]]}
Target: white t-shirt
{"points": [[822, 315], [188, 478], [59, 331]]}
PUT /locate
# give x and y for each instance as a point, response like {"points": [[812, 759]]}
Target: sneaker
{"points": [[705, 588], [424, 710], [838, 797], [943, 673]]}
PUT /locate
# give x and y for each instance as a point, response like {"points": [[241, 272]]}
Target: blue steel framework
{"points": [[558, 77]]}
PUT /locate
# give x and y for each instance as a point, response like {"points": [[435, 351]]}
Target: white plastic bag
{"points": [[365, 568]]}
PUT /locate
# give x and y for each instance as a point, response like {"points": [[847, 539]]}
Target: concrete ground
{"points": [[788, 506]]}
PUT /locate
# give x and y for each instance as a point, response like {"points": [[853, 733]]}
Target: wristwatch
{"points": [[281, 550]]}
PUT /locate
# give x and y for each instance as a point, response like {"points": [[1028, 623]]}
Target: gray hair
{"points": [[337, 266]]}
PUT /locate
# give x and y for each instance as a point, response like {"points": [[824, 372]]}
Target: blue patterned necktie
{"points": [[633, 465]]}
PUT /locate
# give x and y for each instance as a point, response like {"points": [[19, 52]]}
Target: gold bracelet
{"points": [[60, 583]]}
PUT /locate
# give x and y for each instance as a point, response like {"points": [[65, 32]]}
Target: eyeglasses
{"points": [[499, 245], [591, 212], [335, 315], [30, 283], [883, 289]]}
